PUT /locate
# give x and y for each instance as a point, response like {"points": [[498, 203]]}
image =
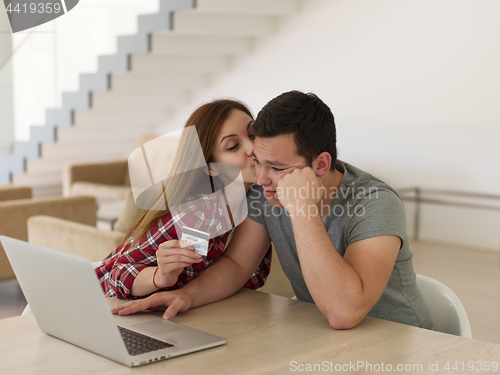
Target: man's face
{"points": [[274, 158]]}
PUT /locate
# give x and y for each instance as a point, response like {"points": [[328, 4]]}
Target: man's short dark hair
{"points": [[307, 117]]}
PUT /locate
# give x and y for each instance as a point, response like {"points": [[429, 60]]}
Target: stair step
{"points": [[47, 190], [193, 22], [89, 132], [144, 100], [201, 45], [150, 63], [261, 7], [60, 151], [37, 179], [158, 83], [125, 116]]}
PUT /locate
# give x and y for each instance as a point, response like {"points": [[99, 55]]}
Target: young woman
{"points": [[151, 257]]}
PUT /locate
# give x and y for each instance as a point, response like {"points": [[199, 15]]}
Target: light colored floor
{"points": [[474, 275]]}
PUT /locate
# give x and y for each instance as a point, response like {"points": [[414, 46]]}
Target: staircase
{"points": [[176, 52]]}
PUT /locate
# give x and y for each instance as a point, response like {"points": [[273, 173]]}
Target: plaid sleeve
{"points": [[118, 271], [259, 278]]}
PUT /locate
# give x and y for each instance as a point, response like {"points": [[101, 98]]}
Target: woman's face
{"points": [[234, 144]]}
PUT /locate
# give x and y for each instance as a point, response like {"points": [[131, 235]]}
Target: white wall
{"points": [[414, 87]]}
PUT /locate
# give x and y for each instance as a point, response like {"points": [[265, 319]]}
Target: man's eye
{"points": [[256, 161], [234, 147], [277, 169]]}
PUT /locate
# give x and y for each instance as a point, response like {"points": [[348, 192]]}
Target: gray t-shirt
{"points": [[363, 207]]}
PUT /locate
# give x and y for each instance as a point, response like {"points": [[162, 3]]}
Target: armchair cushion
{"points": [[73, 238], [94, 189]]}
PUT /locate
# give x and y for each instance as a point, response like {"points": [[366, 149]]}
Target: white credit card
{"points": [[195, 238]]}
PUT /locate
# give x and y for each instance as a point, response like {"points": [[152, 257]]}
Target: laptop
{"points": [[68, 303]]}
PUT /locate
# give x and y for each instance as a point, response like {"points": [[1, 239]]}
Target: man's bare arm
{"points": [[344, 289]]}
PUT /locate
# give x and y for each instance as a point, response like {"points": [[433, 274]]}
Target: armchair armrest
{"points": [[10, 192], [73, 238], [14, 217]]}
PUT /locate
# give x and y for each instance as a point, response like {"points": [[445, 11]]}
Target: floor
{"points": [[473, 275]]}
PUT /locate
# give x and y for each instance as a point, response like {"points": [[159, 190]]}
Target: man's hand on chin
{"points": [[300, 190], [174, 301]]}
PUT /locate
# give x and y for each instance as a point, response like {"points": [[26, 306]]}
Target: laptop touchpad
{"points": [[157, 327]]}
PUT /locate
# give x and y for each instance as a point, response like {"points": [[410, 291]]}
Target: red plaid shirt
{"points": [[118, 271]]}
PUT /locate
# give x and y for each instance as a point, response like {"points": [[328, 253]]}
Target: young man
{"points": [[340, 233]]}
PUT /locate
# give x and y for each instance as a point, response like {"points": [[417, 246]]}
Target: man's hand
{"points": [[172, 259], [299, 191], [174, 301]]}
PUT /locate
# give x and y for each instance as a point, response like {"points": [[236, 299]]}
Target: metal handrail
{"points": [[418, 199]]}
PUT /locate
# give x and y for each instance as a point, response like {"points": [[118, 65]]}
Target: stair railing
{"points": [[453, 198]]}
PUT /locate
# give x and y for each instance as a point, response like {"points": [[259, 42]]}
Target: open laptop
{"points": [[68, 303]]}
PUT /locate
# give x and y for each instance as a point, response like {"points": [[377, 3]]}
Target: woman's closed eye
{"points": [[233, 148]]}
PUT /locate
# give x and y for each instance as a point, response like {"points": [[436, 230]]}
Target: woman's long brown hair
{"points": [[208, 120]]}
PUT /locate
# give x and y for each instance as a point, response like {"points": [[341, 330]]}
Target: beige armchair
{"points": [[86, 241], [14, 215], [108, 180]]}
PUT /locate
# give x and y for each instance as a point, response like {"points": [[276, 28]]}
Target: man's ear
{"points": [[321, 165], [211, 170]]}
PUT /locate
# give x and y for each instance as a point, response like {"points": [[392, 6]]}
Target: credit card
{"points": [[195, 238]]}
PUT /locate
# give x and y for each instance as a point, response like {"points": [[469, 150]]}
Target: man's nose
{"points": [[262, 176]]}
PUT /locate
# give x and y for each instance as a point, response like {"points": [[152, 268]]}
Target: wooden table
{"points": [[266, 334]]}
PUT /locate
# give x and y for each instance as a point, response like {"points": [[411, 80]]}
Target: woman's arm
{"points": [[171, 260]]}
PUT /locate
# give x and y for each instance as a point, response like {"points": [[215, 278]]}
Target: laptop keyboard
{"points": [[139, 344]]}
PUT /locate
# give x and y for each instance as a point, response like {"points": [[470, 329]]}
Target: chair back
{"points": [[447, 312], [10, 192]]}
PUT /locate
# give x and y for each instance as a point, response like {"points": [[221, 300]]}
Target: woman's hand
{"points": [[172, 259]]}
